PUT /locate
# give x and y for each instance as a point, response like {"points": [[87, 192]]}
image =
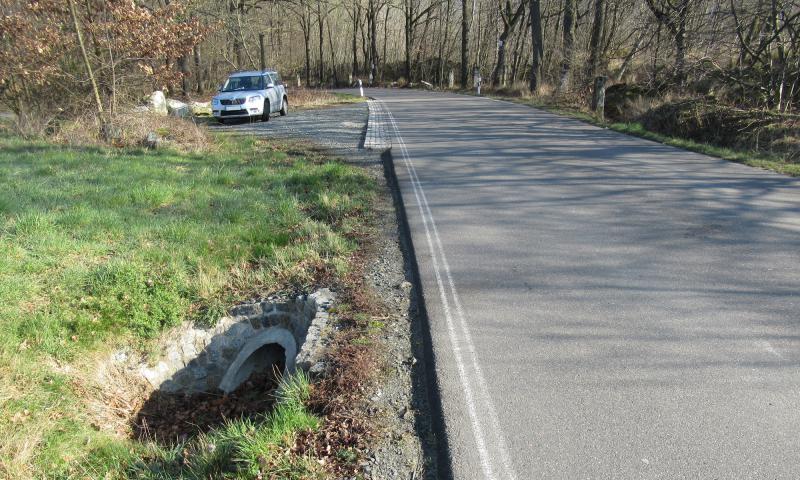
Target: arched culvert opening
{"points": [[274, 347]]}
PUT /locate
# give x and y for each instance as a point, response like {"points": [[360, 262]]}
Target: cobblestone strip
{"points": [[376, 137]]}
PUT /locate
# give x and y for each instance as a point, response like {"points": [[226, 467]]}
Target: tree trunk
{"points": [[198, 78], [568, 32], [238, 47], [356, 20], [509, 22], [519, 43], [373, 42], [307, 44], [408, 32], [680, 53], [595, 45], [262, 54], [674, 16], [536, 44], [85, 57], [183, 66], [627, 61], [320, 24], [423, 45], [465, 44], [444, 40], [364, 42], [385, 41]]}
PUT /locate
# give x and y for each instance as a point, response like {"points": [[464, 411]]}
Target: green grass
{"points": [[242, 448], [751, 158], [101, 248]]}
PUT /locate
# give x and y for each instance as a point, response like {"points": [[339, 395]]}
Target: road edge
{"points": [[441, 447], [375, 138]]}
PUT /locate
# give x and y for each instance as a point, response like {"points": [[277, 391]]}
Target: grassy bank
{"points": [[103, 248], [752, 158]]}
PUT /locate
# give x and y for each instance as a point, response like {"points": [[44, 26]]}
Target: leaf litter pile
{"points": [[173, 417], [343, 438]]}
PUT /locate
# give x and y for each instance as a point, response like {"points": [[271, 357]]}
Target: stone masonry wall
{"points": [[197, 359]]}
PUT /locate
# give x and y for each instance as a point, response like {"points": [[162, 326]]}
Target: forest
{"points": [[731, 62]]}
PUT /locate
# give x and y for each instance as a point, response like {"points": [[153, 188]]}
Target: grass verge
{"points": [[751, 158], [102, 248], [241, 448], [307, 98]]}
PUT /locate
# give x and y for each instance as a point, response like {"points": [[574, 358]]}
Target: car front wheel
{"points": [[284, 107], [265, 114]]}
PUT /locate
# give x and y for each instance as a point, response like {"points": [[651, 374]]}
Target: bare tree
{"points": [[412, 15], [510, 20], [674, 16], [464, 44], [596, 43], [537, 48], [568, 29]]}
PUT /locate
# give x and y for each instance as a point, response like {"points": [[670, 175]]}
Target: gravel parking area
{"points": [[340, 129], [404, 447]]}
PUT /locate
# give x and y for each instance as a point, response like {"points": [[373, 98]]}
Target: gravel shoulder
{"points": [[404, 445]]}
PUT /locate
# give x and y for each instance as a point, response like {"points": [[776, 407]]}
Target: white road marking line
{"points": [[437, 252], [376, 138]]}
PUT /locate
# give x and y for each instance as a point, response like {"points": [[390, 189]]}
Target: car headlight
{"points": [[254, 99], [215, 101]]}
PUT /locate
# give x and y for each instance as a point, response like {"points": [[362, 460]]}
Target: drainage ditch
{"points": [[206, 376]]}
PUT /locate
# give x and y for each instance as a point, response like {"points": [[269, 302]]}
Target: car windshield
{"points": [[235, 84]]}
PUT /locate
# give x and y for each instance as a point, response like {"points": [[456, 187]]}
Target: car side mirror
{"points": [[219, 89], [270, 85]]}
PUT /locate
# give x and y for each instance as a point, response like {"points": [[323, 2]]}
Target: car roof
{"points": [[251, 73]]}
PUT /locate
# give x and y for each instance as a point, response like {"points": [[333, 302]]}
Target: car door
{"points": [[280, 87], [272, 93]]}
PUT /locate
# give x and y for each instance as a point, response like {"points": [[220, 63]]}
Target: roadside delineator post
{"points": [[599, 97], [360, 87], [476, 75]]}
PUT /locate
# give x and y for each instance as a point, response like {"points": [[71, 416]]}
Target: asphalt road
{"points": [[601, 306]]}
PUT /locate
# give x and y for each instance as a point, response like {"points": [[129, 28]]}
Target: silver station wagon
{"points": [[251, 94]]}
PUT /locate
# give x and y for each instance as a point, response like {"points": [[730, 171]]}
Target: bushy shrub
{"points": [[710, 122], [42, 77]]}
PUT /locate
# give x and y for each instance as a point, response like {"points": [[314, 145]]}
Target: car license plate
{"points": [[230, 109]]}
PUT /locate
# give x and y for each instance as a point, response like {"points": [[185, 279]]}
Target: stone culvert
{"points": [[253, 338]]}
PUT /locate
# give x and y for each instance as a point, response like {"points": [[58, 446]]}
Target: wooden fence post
{"points": [[263, 53]]}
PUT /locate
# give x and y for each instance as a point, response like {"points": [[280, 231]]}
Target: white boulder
{"points": [[176, 108], [200, 108], [158, 103]]}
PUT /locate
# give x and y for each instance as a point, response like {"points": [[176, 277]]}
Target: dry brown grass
{"points": [[315, 98], [710, 122], [309, 97], [131, 130], [113, 393], [515, 90]]}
